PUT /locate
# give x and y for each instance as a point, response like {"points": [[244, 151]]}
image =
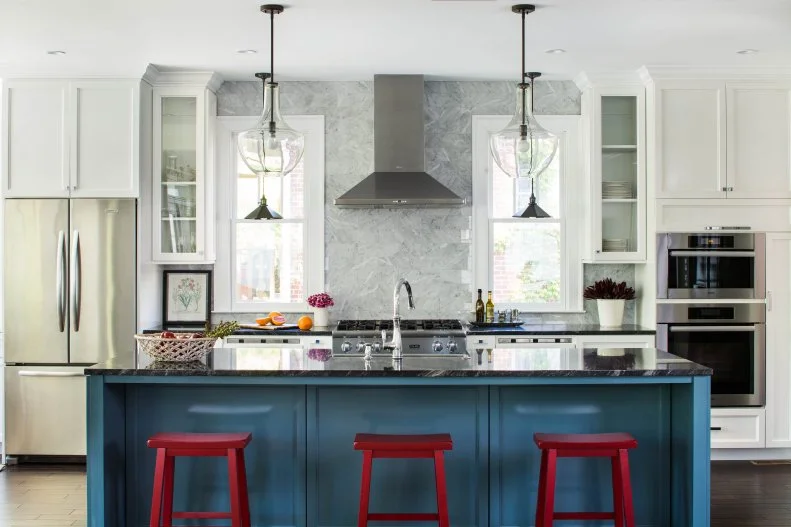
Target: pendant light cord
{"points": [[272, 46], [522, 73]]}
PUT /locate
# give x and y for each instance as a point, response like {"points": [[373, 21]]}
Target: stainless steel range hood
{"points": [[399, 178]]}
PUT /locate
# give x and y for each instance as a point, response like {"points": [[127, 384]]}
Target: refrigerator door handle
{"points": [[60, 281], [76, 272], [26, 373]]}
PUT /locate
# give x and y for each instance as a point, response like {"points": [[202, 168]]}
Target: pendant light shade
{"points": [[523, 148], [272, 148]]}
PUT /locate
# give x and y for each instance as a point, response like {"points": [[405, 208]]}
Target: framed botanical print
{"points": [[186, 298]]}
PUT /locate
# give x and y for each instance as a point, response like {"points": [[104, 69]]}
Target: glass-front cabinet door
{"points": [[618, 175], [180, 179]]}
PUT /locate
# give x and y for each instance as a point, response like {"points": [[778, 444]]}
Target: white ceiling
{"points": [[353, 39]]}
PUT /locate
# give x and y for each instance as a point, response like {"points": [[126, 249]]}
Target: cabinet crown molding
{"points": [[588, 79], [162, 77], [651, 73]]}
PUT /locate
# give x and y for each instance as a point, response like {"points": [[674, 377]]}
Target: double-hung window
{"points": [[533, 264], [269, 264]]}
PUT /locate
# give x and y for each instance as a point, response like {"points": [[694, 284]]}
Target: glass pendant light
{"points": [[272, 148], [523, 148], [533, 210]]}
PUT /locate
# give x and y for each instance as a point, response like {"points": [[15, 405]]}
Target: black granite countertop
{"points": [[533, 362], [562, 329], [324, 332], [524, 329]]}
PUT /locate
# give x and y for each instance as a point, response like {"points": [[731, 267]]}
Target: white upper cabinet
{"points": [[77, 138], [105, 145], [690, 139], [35, 147], [722, 139], [759, 140]]}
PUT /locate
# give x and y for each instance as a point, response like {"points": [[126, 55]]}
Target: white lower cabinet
{"points": [[738, 428], [614, 341]]}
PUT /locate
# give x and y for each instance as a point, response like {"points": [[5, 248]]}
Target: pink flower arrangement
{"points": [[320, 300]]}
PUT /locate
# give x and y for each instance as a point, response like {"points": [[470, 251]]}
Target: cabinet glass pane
{"points": [[619, 173], [619, 227], [178, 235], [179, 175]]}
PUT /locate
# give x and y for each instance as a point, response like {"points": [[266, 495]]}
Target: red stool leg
{"points": [[542, 483], [243, 496], [626, 482], [167, 507], [365, 489], [159, 480], [548, 508], [617, 491], [442, 489], [233, 484]]}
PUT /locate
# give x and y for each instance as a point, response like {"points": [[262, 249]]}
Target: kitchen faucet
{"points": [[395, 344]]}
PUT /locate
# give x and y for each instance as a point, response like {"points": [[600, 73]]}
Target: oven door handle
{"points": [[717, 254], [708, 329]]}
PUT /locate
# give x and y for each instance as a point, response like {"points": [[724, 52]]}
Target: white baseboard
{"points": [[749, 454]]}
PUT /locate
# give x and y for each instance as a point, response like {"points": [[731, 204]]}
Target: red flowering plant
{"points": [[320, 300], [608, 289]]}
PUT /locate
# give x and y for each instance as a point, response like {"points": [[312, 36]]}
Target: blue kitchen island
{"points": [[304, 407]]}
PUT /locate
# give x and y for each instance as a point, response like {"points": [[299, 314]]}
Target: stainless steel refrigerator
{"points": [[70, 301]]}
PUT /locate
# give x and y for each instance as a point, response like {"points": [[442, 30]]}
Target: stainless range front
{"points": [[728, 338], [418, 336]]}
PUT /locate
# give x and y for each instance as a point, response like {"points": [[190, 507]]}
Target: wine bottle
{"points": [[490, 309], [480, 310]]}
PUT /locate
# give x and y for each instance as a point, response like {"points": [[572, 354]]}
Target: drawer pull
{"points": [[716, 428]]}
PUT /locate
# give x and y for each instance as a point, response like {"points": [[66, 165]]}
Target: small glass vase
{"points": [[321, 317]]}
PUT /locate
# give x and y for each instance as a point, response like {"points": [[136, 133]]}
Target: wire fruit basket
{"points": [[179, 349]]}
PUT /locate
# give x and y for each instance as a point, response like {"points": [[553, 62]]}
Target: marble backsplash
{"points": [[369, 249]]}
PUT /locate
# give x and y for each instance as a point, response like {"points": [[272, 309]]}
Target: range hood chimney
{"points": [[399, 178]]}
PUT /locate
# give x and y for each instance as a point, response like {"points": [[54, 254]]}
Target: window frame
{"points": [[572, 206], [313, 240]]}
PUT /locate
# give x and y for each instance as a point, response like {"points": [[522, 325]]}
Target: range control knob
{"points": [[346, 347], [437, 346], [452, 346]]}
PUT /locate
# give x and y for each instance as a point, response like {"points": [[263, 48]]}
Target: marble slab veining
{"points": [[530, 362], [368, 250]]}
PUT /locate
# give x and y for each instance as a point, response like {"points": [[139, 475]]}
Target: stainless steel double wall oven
{"points": [[716, 282]]}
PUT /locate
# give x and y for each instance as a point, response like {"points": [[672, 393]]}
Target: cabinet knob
{"points": [[730, 189], [725, 189]]}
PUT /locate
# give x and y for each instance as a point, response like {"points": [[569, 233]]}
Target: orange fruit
{"points": [[305, 323], [278, 320], [263, 321], [274, 314]]}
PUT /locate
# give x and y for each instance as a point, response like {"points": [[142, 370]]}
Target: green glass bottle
{"points": [[490, 309], [480, 310]]}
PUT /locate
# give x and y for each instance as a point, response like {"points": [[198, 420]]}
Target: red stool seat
{"points": [[615, 446], [181, 440], [403, 442], [567, 441], [405, 447], [172, 445]]}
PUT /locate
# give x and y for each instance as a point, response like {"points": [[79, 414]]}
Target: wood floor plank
{"points": [[742, 495]]}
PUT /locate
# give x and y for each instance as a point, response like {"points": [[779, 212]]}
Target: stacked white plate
{"points": [[614, 245], [616, 190]]}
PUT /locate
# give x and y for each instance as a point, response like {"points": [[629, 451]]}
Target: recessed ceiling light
{"points": [[747, 51], [56, 52], [555, 51], [247, 51]]}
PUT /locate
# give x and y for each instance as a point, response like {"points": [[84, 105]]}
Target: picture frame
{"points": [[186, 298]]}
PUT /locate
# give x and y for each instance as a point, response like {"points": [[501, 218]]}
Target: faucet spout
{"points": [[396, 344]]}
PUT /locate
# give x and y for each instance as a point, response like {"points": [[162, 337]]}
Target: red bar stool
{"points": [[171, 446], [615, 446], [406, 447]]}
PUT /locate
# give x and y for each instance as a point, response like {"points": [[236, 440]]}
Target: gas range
{"points": [[417, 336]]}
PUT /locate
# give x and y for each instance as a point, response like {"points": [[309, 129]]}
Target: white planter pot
{"points": [[610, 312], [321, 317]]}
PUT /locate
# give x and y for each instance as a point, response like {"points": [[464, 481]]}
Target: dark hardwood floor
{"points": [[743, 495], [747, 495]]}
